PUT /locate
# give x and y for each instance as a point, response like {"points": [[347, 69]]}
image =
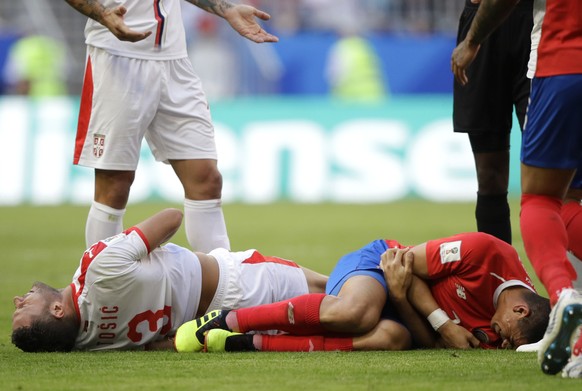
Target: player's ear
{"points": [[522, 310], [57, 309]]}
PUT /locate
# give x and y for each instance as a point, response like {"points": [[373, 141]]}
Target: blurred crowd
{"points": [[47, 56], [400, 16]]}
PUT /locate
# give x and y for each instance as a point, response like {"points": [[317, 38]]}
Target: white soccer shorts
{"points": [[126, 99]]}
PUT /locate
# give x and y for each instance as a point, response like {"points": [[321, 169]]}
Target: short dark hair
{"points": [[534, 326], [48, 334]]}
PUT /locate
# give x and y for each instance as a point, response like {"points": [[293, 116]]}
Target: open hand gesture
{"points": [[113, 20], [242, 18]]}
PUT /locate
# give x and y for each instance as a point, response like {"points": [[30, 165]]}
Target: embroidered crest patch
{"points": [[98, 145]]}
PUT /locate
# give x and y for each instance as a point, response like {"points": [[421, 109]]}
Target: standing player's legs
{"points": [[488, 125], [105, 216], [551, 154], [483, 109], [546, 242], [118, 101], [542, 228], [492, 212], [204, 219], [182, 135], [572, 216]]}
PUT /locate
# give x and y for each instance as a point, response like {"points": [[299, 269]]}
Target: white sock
{"points": [[102, 222], [205, 226]]}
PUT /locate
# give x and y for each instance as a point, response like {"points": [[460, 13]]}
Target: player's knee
{"points": [[392, 336], [206, 184], [112, 189], [213, 185], [492, 182], [357, 317]]}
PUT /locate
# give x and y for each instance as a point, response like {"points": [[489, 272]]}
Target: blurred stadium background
{"points": [[311, 24], [283, 133]]}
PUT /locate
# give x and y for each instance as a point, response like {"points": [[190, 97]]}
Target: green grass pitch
{"points": [[45, 243]]}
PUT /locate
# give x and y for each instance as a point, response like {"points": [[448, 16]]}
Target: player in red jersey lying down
{"points": [[463, 291]]}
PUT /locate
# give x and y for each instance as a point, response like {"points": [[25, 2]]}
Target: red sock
{"points": [[572, 216], [299, 316], [546, 242], [577, 348], [310, 343]]}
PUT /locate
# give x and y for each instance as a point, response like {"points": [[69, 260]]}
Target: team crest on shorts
{"points": [[98, 145]]}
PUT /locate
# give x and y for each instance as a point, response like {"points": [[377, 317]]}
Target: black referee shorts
{"points": [[498, 80]]}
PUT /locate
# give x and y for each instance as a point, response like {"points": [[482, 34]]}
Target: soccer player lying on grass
{"points": [[471, 288], [130, 293]]}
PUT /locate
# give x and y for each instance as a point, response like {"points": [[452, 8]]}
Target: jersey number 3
{"points": [[152, 318]]}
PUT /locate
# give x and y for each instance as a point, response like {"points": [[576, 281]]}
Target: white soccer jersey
{"points": [[126, 296], [162, 17]]}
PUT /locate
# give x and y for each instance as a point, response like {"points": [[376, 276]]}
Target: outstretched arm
{"points": [[242, 18], [112, 18], [161, 227], [490, 15]]}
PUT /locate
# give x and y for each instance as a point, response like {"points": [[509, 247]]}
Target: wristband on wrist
{"points": [[437, 318]]}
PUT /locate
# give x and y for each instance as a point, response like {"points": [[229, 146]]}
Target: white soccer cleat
{"points": [[573, 369], [529, 347], [562, 334]]}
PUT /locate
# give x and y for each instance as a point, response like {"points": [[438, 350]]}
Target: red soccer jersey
{"points": [[556, 38], [467, 273]]}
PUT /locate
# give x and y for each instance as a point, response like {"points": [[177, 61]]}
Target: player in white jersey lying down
{"points": [[129, 292]]}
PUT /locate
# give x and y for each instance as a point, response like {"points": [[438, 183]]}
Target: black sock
{"points": [[221, 320], [239, 343], [493, 216]]}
